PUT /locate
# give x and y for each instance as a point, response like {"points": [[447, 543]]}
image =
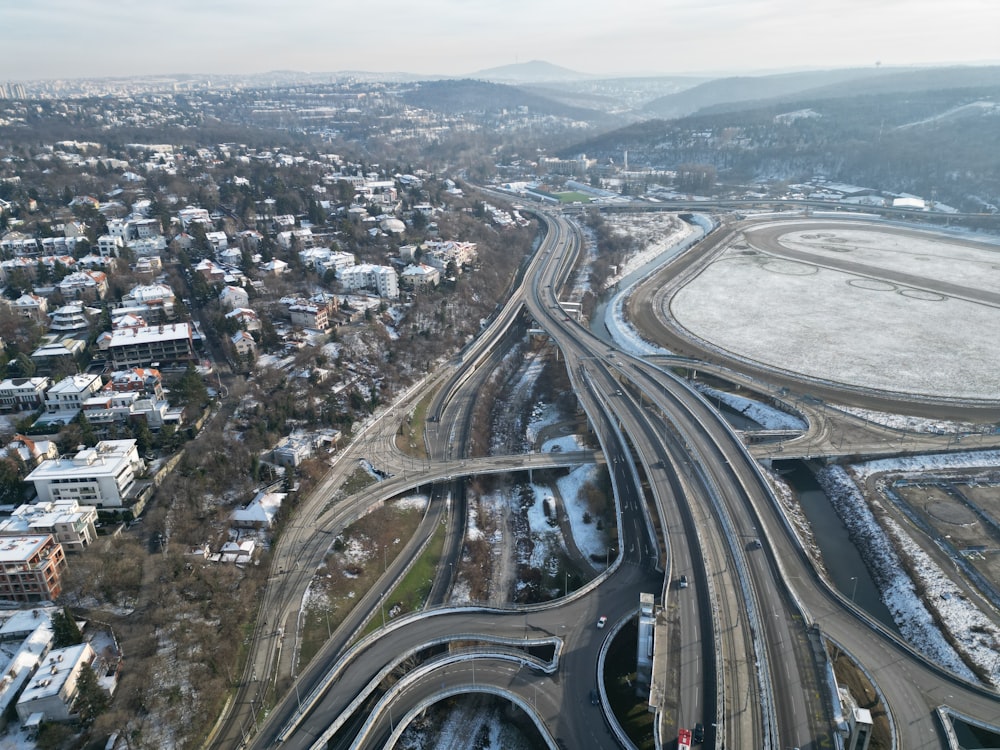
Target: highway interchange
{"points": [[748, 653]]}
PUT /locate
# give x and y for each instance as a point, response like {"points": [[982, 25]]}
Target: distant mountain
{"points": [[888, 83], [536, 71], [464, 96], [741, 92], [621, 96]]}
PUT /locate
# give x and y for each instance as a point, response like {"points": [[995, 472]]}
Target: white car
{"points": [[602, 621]]}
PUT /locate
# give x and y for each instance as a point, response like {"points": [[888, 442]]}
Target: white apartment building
{"points": [[102, 476], [70, 393], [53, 688], [21, 394], [108, 246], [71, 524], [381, 279]]}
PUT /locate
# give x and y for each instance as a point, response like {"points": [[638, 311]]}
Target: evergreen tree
{"points": [[91, 700], [64, 630]]}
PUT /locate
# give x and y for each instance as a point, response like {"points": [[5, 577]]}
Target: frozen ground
{"points": [[854, 329], [976, 636], [766, 416], [914, 424]]}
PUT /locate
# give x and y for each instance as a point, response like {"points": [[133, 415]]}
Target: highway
{"points": [[691, 500]]}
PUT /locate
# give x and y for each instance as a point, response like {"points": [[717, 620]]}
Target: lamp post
{"points": [[854, 588]]}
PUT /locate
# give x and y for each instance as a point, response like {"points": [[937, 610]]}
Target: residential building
{"points": [[217, 241], [260, 512], [17, 245], [380, 279], [244, 343], [142, 380], [69, 318], [71, 524], [191, 215], [109, 246], [293, 450], [141, 346], [155, 302], [84, 284], [274, 267], [103, 476], [54, 687], [29, 633], [63, 246], [310, 315], [31, 452], [211, 272], [299, 239], [420, 276], [245, 317], [233, 297], [69, 393], [30, 306], [31, 568], [148, 246], [23, 394], [65, 354]]}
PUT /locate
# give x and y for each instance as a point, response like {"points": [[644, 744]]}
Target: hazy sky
{"points": [[81, 38]]}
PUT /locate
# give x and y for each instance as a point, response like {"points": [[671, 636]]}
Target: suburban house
{"points": [[244, 343], [155, 302], [420, 276], [259, 513], [30, 306], [92, 285], [233, 297], [31, 452], [244, 317]]}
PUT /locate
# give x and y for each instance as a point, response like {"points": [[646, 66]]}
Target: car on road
{"points": [[602, 621], [682, 582], [594, 699], [698, 735], [754, 544]]}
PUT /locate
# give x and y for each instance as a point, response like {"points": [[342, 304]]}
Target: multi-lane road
{"points": [[690, 501]]}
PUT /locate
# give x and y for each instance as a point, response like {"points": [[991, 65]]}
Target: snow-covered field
{"points": [[849, 328]]}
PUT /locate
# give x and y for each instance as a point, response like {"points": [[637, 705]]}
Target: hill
{"points": [[900, 136], [468, 96], [535, 71]]}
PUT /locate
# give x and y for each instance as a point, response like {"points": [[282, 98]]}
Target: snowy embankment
{"points": [[766, 416], [915, 424], [591, 541], [899, 593]]}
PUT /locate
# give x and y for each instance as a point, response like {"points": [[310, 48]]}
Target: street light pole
{"points": [[854, 588]]}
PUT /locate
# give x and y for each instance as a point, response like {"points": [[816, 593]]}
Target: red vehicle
{"points": [[684, 739]]}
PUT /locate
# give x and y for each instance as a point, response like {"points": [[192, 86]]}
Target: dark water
{"points": [[842, 560], [974, 738]]}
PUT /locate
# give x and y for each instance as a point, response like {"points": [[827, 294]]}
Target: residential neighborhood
{"points": [[161, 302]]}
